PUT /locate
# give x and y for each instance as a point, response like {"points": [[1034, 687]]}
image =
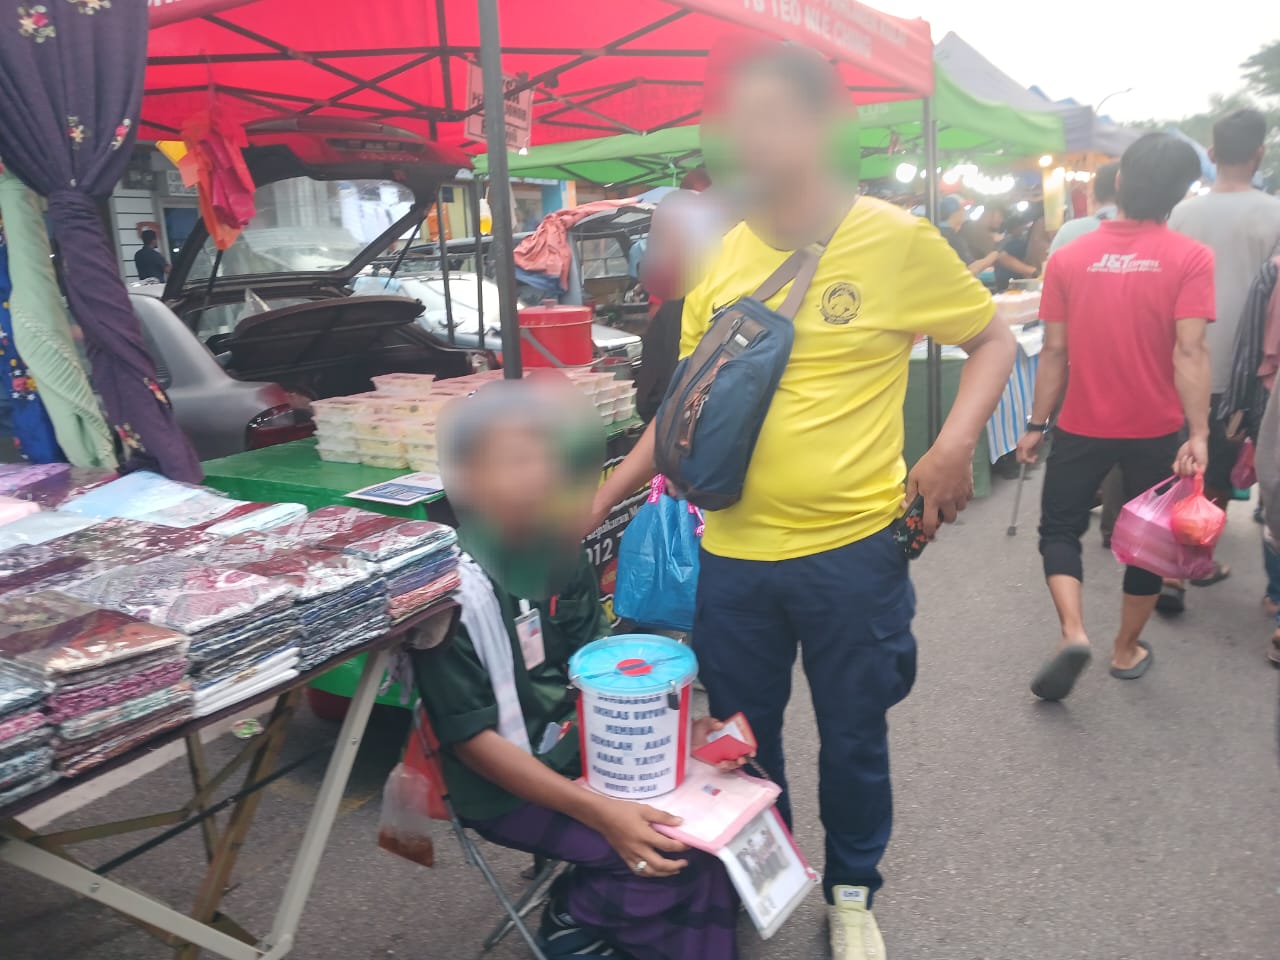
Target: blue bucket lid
{"points": [[632, 665]]}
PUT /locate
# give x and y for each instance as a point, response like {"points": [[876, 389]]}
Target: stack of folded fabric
{"points": [[26, 759], [115, 543], [41, 527], [340, 600], [49, 484], [11, 510], [113, 681], [30, 568], [243, 629], [418, 557], [155, 499]]}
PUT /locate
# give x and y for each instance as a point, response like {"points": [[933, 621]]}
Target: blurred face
{"points": [[776, 140]]}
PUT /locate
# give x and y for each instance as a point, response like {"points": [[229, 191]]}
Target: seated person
{"points": [[521, 461]]}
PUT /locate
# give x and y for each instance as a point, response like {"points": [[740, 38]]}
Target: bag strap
{"points": [[799, 269]]}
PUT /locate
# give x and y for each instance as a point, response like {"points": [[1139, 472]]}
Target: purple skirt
{"points": [[692, 914]]}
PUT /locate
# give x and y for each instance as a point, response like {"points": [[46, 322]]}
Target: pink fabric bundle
{"points": [[11, 509]]}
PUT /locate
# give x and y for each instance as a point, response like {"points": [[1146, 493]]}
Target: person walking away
{"points": [[1242, 227], [1104, 209], [806, 560], [952, 219], [149, 262], [1126, 308]]}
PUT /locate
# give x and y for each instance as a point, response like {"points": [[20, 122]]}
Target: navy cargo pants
{"points": [[848, 611]]}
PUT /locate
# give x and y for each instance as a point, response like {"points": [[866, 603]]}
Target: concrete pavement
{"points": [[1136, 821]]}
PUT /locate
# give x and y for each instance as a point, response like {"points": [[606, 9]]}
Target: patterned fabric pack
{"points": [[123, 542], [312, 572], [181, 593], [54, 635], [42, 527], [370, 536], [50, 484], [155, 499]]}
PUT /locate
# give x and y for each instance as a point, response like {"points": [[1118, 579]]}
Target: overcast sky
{"points": [[1087, 49]]}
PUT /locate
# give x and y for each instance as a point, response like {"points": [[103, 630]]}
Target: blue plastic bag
{"points": [[658, 562]]}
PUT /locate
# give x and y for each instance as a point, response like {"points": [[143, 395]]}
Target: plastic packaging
{"points": [[1144, 537], [658, 562], [405, 384], [1198, 521], [405, 827], [1244, 474]]}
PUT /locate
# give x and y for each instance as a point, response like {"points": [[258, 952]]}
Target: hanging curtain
{"points": [[42, 332], [32, 430], [70, 92]]}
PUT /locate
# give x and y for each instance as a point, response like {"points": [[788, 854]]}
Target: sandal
{"points": [[1172, 599], [1059, 675], [1139, 668]]}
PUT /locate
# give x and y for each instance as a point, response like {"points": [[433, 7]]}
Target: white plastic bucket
{"points": [[634, 713]]}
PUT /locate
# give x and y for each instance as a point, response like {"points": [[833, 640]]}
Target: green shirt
{"points": [[459, 699]]}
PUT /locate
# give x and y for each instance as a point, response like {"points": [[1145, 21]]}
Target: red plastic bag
{"points": [[1198, 521], [405, 827], [1144, 537], [1244, 474]]}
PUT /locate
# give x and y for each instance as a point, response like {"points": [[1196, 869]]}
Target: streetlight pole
{"points": [[1115, 93]]}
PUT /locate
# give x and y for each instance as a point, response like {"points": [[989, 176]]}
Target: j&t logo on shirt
{"points": [[1124, 263], [841, 303]]}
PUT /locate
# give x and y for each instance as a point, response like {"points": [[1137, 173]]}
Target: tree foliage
{"points": [[1262, 71]]}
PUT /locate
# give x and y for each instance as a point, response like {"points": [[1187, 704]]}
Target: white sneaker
{"points": [[854, 933]]}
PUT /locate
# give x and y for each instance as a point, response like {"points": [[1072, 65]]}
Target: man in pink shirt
{"points": [[1126, 308]]}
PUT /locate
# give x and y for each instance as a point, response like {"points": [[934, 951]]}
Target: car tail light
{"points": [[278, 425]]}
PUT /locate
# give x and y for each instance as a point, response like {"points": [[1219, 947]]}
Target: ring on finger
{"points": [[641, 866]]}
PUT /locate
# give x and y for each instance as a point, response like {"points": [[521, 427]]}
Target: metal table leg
{"points": [[281, 939]]}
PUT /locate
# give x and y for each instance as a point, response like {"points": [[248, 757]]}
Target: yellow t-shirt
{"points": [[828, 469]]}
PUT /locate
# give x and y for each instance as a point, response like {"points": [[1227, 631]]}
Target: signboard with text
{"points": [[518, 109]]}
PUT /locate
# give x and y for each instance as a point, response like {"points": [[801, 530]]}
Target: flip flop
{"points": [[1059, 674], [1139, 668], [1172, 599], [1219, 574]]}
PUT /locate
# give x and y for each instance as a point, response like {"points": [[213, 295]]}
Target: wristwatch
{"points": [[1033, 427]]}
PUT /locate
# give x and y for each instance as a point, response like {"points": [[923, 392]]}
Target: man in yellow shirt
{"points": [[806, 559]]}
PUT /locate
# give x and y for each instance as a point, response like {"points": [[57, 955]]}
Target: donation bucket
{"points": [[563, 331], [634, 714]]}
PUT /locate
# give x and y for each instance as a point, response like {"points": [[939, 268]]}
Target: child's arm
{"points": [[626, 826]]}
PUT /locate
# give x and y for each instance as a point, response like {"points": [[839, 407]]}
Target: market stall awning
{"points": [[967, 126], [980, 77], [594, 68]]}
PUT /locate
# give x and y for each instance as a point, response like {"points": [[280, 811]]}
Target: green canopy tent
{"points": [[966, 126]]}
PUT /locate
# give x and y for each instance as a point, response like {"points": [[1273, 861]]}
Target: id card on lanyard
{"points": [[529, 633]]}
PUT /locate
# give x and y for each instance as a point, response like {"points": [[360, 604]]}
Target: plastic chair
{"points": [[423, 753]]}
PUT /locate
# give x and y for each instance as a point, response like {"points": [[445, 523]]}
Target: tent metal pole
{"points": [[934, 364], [499, 186]]}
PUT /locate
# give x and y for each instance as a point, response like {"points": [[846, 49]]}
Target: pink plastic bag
{"points": [[1197, 520], [1244, 474], [1144, 537]]}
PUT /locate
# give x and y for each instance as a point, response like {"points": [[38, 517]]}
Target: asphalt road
{"points": [[1137, 821]]}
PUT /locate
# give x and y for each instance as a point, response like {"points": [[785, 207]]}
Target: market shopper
{"points": [[149, 262], [1125, 307], [1241, 225], [951, 223], [806, 560], [519, 461]]}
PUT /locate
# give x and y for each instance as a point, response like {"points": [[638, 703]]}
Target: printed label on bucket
{"points": [[633, 744]]}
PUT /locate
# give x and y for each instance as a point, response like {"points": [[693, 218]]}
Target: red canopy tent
{"points": [[593, 68]]}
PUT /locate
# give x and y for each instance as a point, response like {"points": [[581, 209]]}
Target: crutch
{"points": [[1017, 502]]}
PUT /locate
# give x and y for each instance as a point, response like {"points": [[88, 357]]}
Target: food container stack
{"points": [[113, 680], [339, 601], [244, 631]]}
